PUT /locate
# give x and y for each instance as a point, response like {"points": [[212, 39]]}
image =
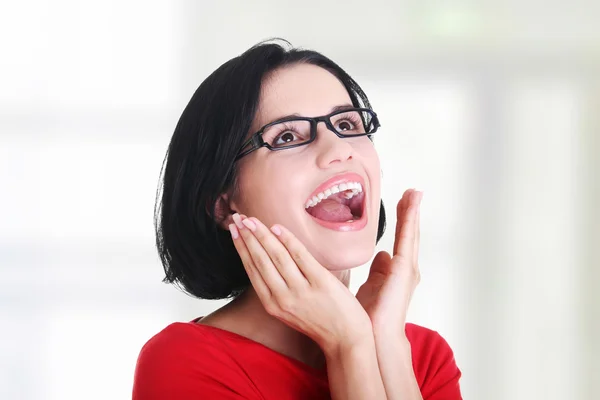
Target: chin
{"points": [[347, 258]]}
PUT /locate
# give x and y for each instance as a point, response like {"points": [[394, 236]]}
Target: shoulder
{"points": [[168, 352], [433, 362], [425, 339], [184, 344], [172, 343], [184, 360]]}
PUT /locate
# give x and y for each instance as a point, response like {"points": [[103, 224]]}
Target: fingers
{"points": [[404, 243], [280, 256], [417, 235], [260, 286], [408, 251], [288, 254], [306, 263], [269, 255], [256, 256], [400, 212]]}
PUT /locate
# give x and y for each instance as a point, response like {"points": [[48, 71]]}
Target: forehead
{"points": [[302, 89]]}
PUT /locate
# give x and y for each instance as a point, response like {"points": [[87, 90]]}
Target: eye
{"points": [[345, 125], [348, 123], [289, 133], [284, 138]]}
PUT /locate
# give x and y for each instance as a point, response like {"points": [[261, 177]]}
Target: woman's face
{"points": [[277, 186]]}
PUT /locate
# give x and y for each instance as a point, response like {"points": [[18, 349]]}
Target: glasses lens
{"points": [[286, 134], [353, 122]]}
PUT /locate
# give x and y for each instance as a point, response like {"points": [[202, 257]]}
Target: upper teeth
{"points": [[354, 188]]}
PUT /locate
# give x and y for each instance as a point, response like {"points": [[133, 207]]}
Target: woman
{"points": [[271, 194]]}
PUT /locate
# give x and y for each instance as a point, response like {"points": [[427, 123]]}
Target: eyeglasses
{"points": [[293, 132]]}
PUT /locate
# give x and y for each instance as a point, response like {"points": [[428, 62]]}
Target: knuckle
{"points": [[287, 305], [403, 259], [259, 234], [262, 263], [278, 259], [412, 273], [297, 256], [407, 235], [272, 309], [300, 288], [290, 243], [276, 255]]}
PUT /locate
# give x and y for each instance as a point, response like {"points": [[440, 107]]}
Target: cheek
{"points": [[364, 147], [370, 161], [270, 191]]}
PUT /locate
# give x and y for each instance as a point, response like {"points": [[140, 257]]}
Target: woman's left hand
{"points": [[386, 294]]}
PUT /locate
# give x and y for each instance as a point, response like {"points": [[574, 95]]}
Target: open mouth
{"points": [[339, 206], [339, 203]]}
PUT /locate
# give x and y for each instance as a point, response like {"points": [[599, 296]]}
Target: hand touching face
{"points": [[275, 186]]}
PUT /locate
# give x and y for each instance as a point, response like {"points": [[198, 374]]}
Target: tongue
{"points": [[331, 210]]}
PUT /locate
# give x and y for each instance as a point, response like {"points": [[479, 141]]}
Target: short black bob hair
{"points": [[196, 252]]}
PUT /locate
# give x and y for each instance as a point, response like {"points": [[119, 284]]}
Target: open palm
{"points": [[386, 294]]}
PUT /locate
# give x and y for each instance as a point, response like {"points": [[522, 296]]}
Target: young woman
{"points": [[271, 194]]}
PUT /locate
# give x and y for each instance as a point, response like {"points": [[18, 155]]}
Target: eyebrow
{"points": [[334, 109]]}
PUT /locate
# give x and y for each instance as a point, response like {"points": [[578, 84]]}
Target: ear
{"points": [[224, 211]]}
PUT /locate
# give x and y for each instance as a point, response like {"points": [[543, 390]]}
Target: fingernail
{"points": [[276, 230], [238, 220], [234, 232], [249, 224]]}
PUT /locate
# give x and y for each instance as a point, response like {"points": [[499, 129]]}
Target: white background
{"points": [[491, 109]]}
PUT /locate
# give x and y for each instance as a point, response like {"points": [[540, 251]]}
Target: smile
{"points": [[339, 203]]}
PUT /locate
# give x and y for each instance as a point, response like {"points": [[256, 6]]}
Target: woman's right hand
{"points": [[296, 289]]}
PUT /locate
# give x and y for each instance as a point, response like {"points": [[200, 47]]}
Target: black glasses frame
{"points": [[257, 141]]}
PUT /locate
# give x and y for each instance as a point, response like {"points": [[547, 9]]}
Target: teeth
{"points": [[353, 187], [351, 194]]}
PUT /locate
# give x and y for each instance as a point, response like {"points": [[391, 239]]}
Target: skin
{"points": [[274, 185], [299, 303]]}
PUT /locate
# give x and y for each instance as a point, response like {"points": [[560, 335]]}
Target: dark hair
{"points": [[196, 252]]}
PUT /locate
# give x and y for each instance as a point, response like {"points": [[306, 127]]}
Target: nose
{"points": [[331, 149]]}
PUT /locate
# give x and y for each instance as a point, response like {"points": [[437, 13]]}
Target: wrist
{"points": [[350, 349], [386, 330], [387, 339], [359, 337]]}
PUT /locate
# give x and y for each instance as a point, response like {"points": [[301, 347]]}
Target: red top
{"points": [[194, 361]]}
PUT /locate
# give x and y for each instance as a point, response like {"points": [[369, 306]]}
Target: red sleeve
{"points": [[434, 364], [179, 364]]}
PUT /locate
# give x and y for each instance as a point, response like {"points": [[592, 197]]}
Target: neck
{"points": [[246, 316]]}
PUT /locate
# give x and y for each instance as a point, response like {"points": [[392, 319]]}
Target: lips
{"points": [[344, 182], [345, 178]]}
